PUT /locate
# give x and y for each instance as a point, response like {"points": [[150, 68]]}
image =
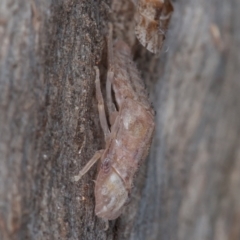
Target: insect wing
{"points": [[152, 23]]}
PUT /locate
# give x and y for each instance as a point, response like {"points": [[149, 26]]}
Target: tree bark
{"points": [[188, 188]]}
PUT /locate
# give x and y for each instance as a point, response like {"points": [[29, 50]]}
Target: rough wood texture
{"points": [[49, 126]]}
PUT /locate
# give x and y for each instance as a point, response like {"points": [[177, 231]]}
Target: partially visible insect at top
{"points": [[152, 23], [129, 137]]}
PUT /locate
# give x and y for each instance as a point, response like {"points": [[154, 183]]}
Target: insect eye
{"points": [[106, 165]]}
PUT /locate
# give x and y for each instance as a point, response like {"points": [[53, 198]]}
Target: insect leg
{"points": [[110, 72], [101, 108], [110, 46], [111, 107], [86, 168], [106, 225]]}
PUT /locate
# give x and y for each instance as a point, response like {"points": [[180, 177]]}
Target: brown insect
{"points": [[128, 141], [152, 23]]}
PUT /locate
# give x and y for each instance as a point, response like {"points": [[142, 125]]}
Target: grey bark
{"points": [[189, 187]]}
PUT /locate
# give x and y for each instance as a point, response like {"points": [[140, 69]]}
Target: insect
{"points": [[152, 23], [128, 140]]}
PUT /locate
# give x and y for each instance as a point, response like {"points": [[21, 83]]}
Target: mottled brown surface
{"points": [[49, 126], [49, 120]]}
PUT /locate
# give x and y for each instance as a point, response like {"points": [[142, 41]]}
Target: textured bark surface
{"points": [[49, 127]]}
